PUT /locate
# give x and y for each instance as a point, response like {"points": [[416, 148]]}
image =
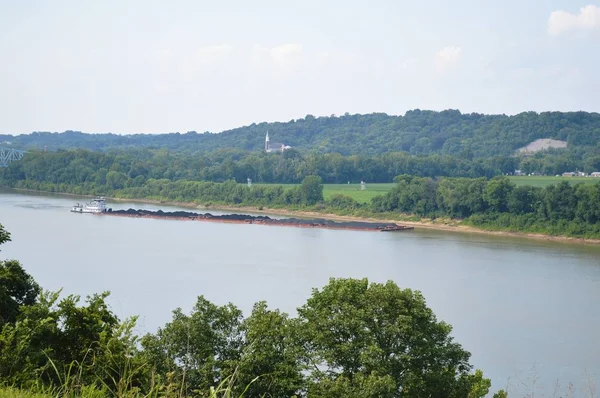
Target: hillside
{"points": [[417, 132]]}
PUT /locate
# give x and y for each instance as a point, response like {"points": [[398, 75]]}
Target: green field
{"points": [[353, 190], [543, 181]]}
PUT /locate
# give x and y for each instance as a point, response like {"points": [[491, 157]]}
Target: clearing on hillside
{"points": [[542, 144]]}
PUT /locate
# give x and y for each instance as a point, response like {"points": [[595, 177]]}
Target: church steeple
{"points": [[267, 141]]}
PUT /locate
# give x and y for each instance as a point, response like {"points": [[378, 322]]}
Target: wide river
{"points": [[524, 308]]}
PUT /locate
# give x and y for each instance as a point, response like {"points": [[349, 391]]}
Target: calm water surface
{"points": [[519, 306]]}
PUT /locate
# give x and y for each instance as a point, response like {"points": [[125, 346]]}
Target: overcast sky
{"points": [[156, 66]]}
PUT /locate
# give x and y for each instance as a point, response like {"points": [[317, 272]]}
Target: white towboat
{"points": [[95, 206]]}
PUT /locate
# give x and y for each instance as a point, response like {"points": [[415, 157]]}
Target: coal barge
{"points": [[260, 220]]}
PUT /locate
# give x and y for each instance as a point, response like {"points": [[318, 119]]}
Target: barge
{"points": [[249, 219]]}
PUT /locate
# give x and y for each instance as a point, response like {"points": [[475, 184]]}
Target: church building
{"points": [[274, 147]]}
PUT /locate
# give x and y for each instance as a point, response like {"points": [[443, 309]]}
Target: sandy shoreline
{"points": [[296, 213], [335, 217]]}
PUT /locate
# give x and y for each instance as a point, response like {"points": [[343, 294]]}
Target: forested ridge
{"points": [[418, 132]]}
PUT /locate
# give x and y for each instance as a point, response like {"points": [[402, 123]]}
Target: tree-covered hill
{"points": [[417, 132]]}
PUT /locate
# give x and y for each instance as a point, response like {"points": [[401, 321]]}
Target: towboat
{"points": [[97, 205]]}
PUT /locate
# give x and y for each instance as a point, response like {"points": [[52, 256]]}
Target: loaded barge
{"points": [[98, 207]]}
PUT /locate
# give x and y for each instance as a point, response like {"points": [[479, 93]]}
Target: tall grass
{"points": [[71, 385]]}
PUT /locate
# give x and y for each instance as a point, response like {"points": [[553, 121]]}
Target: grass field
{"points": [[353, 190], [14, 393], [543, 181]]}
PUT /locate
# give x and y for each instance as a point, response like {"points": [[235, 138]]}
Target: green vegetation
{"points": [[544, 181], [418, 132], [133, 168], [15, 393], [353, 191], [566, 208], [352, 338]]}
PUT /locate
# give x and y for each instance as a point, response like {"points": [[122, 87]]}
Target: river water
{"points": [[526, 309]]}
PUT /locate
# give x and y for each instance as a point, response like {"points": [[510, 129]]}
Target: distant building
{"points": [[519, 173], [275, 146], [595, 174], [574, 174]]}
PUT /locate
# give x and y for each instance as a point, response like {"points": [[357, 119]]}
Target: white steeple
{"points": [[267, 141]]}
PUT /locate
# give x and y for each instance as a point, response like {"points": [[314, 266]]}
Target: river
{"points": [[522, 307]]}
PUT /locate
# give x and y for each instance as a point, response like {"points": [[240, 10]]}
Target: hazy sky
{"points": [[157, 66]]}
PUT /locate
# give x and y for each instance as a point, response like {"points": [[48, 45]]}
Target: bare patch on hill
{"points": [[542, 144]]}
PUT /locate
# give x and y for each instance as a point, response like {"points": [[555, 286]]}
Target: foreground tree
{"points": [[377, 340], [270, 363], [17, 287], [4, 235], [200, 349]]}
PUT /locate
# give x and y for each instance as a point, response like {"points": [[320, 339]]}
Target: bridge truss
{"points": [[8, 155]]}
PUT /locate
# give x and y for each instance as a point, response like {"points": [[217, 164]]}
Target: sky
{"points": [[129, 66]]}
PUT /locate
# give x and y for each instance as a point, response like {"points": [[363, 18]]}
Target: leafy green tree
{"points": [[312, 190], [360, 334], [17, 287], [56, 337], [497, 193], [4, 235], [202, 348], [270, 362], [524, 200], [560, 201]]}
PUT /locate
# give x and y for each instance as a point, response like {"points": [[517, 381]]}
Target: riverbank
{"points": [[457, 227], [440, 224], [445, 225]]}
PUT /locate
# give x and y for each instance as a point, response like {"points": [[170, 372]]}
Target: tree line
{"points": [[561, 209], [132, 168], [351, 338]]}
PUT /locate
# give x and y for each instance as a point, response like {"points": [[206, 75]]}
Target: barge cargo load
{"points": [[261, 220]]}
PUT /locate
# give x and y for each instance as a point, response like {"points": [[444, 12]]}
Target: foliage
{"points": [[560, 209], [377, 340], [270, 364], [131, 168], [201, 348], [311, 190], [16, 393], [4, 235], [17, 287]]}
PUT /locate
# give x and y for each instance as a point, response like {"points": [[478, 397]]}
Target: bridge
{"points": [[8, 155]]}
